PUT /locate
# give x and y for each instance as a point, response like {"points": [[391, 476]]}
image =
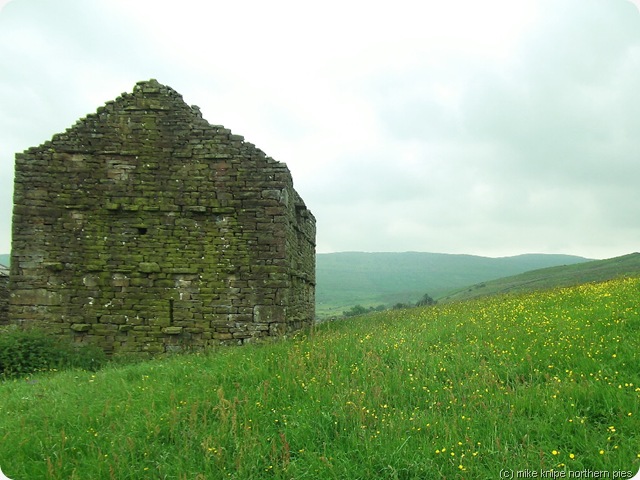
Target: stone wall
{"points": [[143, 228], [4, 296]]}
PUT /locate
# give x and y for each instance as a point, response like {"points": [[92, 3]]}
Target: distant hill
{"points": [[546, 278], [4, 259], [369, 279]]}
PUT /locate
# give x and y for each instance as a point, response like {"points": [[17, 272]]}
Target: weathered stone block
{"points": [[172, 330], [153, 348], [103, 329], [36, 296], [149, 267], [113, 319], [266, 314], [81, 327], [222, 336], [119, 280], [53, 266], [195, 208]]}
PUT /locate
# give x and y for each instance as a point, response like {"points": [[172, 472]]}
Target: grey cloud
{"points": [[396, 141], [556, 113]]}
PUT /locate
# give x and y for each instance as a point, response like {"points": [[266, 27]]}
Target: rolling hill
{"points": [[4, 259], [369, 279], [546, 278]]}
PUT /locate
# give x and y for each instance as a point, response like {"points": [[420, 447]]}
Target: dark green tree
{"points": [[355, 310], [426, 300]]}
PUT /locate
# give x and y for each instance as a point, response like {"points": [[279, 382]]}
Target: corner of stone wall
{"points": [[4, 300]]}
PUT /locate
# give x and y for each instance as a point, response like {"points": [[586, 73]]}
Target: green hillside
{"points": [[370, 279], [562, 276], [544, 382], [5, 258]]}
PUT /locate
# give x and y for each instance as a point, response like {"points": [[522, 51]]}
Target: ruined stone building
{"points": [[143, 228]]}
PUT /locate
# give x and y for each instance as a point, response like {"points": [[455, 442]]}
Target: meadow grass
{"points": [[458, 391]]}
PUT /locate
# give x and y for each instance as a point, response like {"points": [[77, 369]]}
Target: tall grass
{"points": [[538, 382]]}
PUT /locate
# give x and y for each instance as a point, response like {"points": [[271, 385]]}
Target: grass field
{"points": [[458, 391], [552, 277]]}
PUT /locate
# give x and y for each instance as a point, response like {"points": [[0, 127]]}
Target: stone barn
{"points": [[4, 295], [143, 228]]}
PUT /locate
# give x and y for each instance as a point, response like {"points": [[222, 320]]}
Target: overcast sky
{"points": [[492, 128]]}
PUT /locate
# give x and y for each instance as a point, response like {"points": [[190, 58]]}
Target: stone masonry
{"points": [[4, 295], [145, 229]]}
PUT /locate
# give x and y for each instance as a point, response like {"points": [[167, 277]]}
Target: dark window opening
{"points": [[142, 230]]}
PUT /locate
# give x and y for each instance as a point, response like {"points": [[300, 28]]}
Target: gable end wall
{"points": [[143, 228]]}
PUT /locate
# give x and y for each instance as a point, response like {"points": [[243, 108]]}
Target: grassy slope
{"points": [[562, 276], [370, 279], [461, 390]]}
